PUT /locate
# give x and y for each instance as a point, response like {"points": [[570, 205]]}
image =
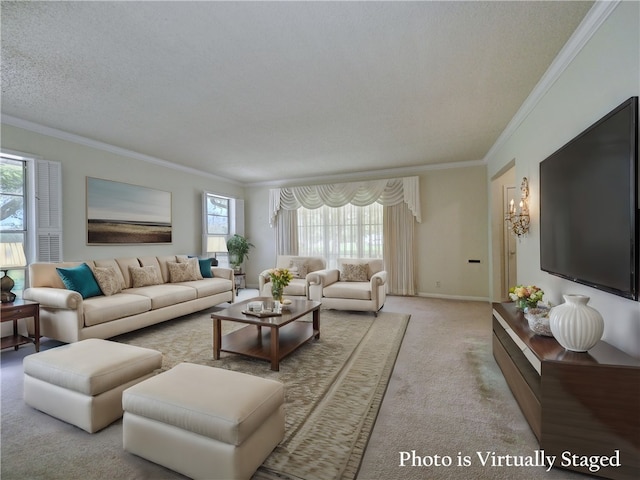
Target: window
{"points": [[13, 221], [217, 215], [344, 232]]}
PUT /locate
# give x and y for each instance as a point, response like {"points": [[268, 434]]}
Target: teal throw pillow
{"points": [[205, 266], [80, 279]]}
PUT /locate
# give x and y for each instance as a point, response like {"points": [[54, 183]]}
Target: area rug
{"points": [[333, 386]]}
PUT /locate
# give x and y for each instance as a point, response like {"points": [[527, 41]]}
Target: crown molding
{"points": [[78, 139], [368, 175], [72, 137], [590, 24]]}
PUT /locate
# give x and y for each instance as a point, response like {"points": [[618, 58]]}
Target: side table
{"points": [[240, 280], [17, 310]]}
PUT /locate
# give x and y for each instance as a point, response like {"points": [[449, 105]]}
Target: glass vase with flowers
{"points": [[280, 278], [526, 296]]}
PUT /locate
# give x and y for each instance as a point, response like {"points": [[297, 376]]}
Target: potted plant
{"points": [[238, 248]]}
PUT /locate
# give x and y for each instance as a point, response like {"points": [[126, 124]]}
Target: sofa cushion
{"points": [[209, 286], [112, 263], [350, 290], [353, 272], [124, 264], [162, 261], [193, 263], [80, 279], [165, 294], [108, 280], [144, 276], [105, 309], [181, 272]]}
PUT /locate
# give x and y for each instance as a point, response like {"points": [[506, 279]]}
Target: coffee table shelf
{"points": [[268, 338], [255, 341]]}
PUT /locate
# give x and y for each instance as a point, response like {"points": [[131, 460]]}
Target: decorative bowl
{"points": [[538, 319]]}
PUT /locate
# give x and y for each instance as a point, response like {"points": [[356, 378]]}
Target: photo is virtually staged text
{"points": [[492, 459]]}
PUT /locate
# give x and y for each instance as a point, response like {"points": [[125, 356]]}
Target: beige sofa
{"points": [[68, 317], [300, 267], [358, 284]]}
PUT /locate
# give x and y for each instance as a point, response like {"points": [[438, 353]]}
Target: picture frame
{"points": [[121, 213]]}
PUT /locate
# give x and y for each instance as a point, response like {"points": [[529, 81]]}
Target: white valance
{"points": [[386, 192]]}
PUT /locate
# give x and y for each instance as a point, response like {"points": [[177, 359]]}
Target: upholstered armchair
{"points": [[358, 284], [300, 267]]}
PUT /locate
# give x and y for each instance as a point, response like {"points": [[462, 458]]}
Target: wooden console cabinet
{"points": [[587, 404]]}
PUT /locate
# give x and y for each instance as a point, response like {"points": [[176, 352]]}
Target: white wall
{"points": [[453, 230], [79, 161], [604, 74]]}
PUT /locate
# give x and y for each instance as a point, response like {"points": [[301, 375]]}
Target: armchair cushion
{"points": [[353, 290]]}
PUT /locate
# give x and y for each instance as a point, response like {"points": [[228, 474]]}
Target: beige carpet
{"points": [[333, 387]]}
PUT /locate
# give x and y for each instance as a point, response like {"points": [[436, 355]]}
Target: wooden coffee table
{"points": [[266, 338]]}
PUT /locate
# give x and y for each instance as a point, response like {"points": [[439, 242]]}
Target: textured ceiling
{"points": [[271, 91]]}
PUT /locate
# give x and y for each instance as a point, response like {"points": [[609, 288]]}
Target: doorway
{"points": [[504, 245]]}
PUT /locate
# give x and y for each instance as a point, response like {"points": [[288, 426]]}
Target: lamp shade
{"points": [[216, 244], [12, 255]]}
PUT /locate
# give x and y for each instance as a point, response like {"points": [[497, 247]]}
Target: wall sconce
{"points": [[518, 223]]}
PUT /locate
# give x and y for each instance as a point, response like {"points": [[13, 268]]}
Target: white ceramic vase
{"points": [[575, 325]]}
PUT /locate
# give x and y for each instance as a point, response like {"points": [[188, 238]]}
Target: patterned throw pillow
{"points": [[353, 272], [298, 268], [144, 276], [107, 279], [195, 266], [181, 272]]}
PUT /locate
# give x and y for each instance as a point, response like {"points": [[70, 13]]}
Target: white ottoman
{"points": [[82, 383], [204, 422]]}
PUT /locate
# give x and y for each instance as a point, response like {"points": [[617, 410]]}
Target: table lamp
{"points": [[216, 245], [11, 256]]}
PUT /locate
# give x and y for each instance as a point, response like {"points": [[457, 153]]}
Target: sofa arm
{"points": [[54, 297], [222, 272]]}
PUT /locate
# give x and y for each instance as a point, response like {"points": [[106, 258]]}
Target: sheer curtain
{"points": [[343, 232], [398, 241]]}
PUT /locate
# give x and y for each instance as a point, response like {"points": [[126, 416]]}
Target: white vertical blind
{"points": [[48, 211]]}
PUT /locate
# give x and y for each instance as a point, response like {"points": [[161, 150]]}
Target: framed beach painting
{"points": [[120, 213]]}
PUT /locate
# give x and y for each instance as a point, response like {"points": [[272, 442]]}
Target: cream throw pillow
{"points": [[299, 268], [195, 265], [181, 272], [144, 276], [108, 280], [353, 272]]}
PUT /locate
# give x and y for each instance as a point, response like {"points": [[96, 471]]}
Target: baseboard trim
{"points": [[454, 297]]}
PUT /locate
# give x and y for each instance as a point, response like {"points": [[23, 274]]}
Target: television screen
{"points": [[589, 205]]}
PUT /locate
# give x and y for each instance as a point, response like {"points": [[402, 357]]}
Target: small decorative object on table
{"points": [[538, 319], [280, 278], [524, 297], [576, 325]]}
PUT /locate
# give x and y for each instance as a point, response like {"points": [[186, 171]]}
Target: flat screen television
{"points": [[589, 205]]}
